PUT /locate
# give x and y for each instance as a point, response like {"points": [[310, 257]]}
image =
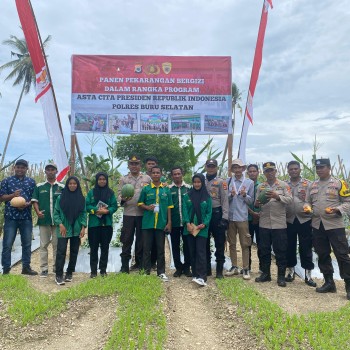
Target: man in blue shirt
{"points": [[19, 218]]}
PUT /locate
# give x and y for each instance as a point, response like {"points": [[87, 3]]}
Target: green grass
{"points": [[279, 330], [140, 320]]}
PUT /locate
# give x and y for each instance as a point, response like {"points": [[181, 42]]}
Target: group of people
{"points": [[277, 214]]}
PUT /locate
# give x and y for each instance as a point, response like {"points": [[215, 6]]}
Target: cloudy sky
{"points": [[304, 83]]}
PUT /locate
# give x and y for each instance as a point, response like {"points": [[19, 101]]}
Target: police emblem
{"points": [[138, 68], [166, 66], [152, 69]]}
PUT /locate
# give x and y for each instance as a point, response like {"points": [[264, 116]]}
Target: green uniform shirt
{"points": [[177, 195], [91, 208], [161, 195], [206, 210], [46, 195]]}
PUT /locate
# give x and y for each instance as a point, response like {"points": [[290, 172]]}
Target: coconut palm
{"points": [[22, 72]]}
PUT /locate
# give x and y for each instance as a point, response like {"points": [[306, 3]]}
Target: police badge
{"points": [[166, 66], [138, 68]]}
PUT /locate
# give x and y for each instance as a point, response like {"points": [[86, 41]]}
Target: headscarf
{"points": [[198, 196], [104, 193], [72, 203]]}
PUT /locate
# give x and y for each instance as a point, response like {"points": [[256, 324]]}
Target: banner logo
{"points": [[138, 68], [166, 66], [152, 69]]}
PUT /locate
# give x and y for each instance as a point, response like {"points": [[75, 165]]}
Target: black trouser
{"points": [[148, 237], [197, 250], [99, 236], [278, 239], [154, 253], [175, 235], [132, 226], [219, 238], [62, 243], [304, 234], [254, 230], [323, 240]]}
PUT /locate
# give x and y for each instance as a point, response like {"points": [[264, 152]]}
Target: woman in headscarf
{"points": [[101, 203], [70, 218], [196, 214]]}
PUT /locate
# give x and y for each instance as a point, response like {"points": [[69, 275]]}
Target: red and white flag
{"points": [[248, 115], [43, 87]]}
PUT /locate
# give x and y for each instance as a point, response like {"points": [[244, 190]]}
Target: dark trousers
{"points": [[219, 238], [62, 243], [254, 230], [99, 237], [323, 240], [175, 236], [148, 237], [131, 227], [278, 239], [154, 253], [303, 233], [197, 250]]}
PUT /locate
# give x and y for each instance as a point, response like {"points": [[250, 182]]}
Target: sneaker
{"points": [[163, 277], [177, 273], [200, 281], [246, 274], [93, 275], [135, 267], [59, 281], [27, 270], [232, 271], [103, 274], [44, 274], [6, 271], [68, 277]]}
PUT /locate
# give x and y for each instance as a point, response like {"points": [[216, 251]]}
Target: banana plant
{"points": [[194, 157]]}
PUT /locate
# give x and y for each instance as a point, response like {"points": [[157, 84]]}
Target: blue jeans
{"points": [[10, 230]]}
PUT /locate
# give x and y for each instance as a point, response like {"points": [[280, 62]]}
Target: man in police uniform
{"points": [[217, 188], [178, 188], [272, 224], [329, 199], [132, 217], [298, 226], [44, 198]]}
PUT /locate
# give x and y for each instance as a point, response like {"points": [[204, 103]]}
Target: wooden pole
{"points": [[72, 155]]}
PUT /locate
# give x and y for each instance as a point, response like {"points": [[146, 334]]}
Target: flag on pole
{"points": [[248, 114], [43, 87]]}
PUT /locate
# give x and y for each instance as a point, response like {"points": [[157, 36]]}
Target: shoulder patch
{"points": [[344, 190]]}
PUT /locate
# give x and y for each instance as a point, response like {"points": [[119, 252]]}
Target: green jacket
{"points": [[177, 196], [91, 208], [60, 218], [206, 209]]}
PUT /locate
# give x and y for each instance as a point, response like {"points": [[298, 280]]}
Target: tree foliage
{"points": [[170, 150]]}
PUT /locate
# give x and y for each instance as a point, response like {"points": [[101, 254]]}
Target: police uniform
{"points": [[132, 217], [217, 189], [299, 226], [329, 229], [273, 228]]}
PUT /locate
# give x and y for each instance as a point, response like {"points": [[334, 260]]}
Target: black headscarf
{"points": [[198, 196], [104, 193], [72, 203]]}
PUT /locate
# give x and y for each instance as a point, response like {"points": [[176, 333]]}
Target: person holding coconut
{"points": [[17, 192], [70, 218], [101, 204], [328, 198], [196, 213]]}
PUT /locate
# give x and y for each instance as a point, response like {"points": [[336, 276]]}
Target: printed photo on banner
{"points": [[122, 123], [90, 122], [185, 123], [154, 123], [216, 123]]}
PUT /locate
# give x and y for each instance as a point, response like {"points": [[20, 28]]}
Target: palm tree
{"points": [[22, 72], [236, 95]]}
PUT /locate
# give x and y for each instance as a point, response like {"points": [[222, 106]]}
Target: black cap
{"points": [[323, 162], [211, 161], [135, 159], [22, 162], [269, 165]]}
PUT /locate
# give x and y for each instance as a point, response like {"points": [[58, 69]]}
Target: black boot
{"points": [[125, 265], [265, 275], [347, 288], [328, 285], [219, 268], [308, 279], [281, 277]]}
